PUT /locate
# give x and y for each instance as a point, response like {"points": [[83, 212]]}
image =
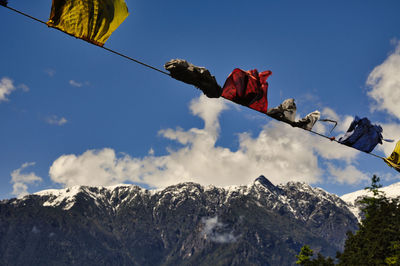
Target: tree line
{"points": [[377, 241]]}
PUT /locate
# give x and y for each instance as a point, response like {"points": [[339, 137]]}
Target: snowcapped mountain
{"points": [[392, 191], [258, 224]]}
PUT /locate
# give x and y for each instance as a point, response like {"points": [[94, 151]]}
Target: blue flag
{"points": [[362, 135]]}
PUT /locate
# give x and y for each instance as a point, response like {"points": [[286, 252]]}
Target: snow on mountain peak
{"points": [[294, 198], [67, 196], [391, 191], [58, 196]]}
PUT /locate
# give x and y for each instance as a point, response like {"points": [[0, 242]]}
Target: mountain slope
{"points": [[392, 191], [186, 224]]}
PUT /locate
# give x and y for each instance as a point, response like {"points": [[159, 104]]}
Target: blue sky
{"points": [[71, 113]]}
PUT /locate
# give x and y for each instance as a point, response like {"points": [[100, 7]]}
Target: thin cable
{"points": [[105, 48], [331, 121], [26, 15], [321, 135], [333, 139], [161, 71], [132, 59]]}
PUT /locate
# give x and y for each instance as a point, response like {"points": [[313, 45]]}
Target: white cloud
{"points": [[94, 168], [75, 83], [349, 174], [213, 230], [55, 120], [384, 81], [6, 87], [21, 181], [391, 176], [279, 152], [50, 72], [24, 87], [343, 123], [78, 84], [330, 114], [151, 151], [390, 131]]}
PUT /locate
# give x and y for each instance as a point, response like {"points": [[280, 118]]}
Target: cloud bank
{"points": [[21, 181], [6, 87], [55, 120], [214, 231], [279, 152], [75, 83], [384, 82], [384, 89]]}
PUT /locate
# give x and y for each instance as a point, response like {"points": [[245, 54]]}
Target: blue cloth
{"points": [[362, 135]]}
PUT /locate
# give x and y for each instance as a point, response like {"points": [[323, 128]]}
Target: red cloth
{"points": [[248, 88]]}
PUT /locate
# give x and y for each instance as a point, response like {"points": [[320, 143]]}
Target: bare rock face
{"points": [[184, 224]]}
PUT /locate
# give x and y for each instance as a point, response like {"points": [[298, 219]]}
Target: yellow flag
{"points": [[394, 159], [90, 20]]}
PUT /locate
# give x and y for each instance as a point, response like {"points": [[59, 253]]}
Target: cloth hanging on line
{"points": [[286, 112], [194, 75], [394, 159], [93, 21], [248, 88], [308, 121], [362, 135], [107, 15]]}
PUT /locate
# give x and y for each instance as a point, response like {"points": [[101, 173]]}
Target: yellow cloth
{"points": [[90, 20], [394, 159]]}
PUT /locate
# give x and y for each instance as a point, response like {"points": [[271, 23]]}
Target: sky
{"points": [[74, 114]]}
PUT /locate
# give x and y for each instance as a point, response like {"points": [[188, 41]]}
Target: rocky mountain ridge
{"points": [[185, 224]]}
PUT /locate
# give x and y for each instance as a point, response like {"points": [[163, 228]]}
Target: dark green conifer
{"points": [[377, 242]]}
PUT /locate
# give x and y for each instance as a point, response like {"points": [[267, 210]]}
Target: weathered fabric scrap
{"points": [[194, 75], [248, 88], [309, 121], [90, 20], [394, 159], [362, 135], [286, 112]]}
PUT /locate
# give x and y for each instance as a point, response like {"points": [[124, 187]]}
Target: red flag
{"points": [[248, 88]]}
